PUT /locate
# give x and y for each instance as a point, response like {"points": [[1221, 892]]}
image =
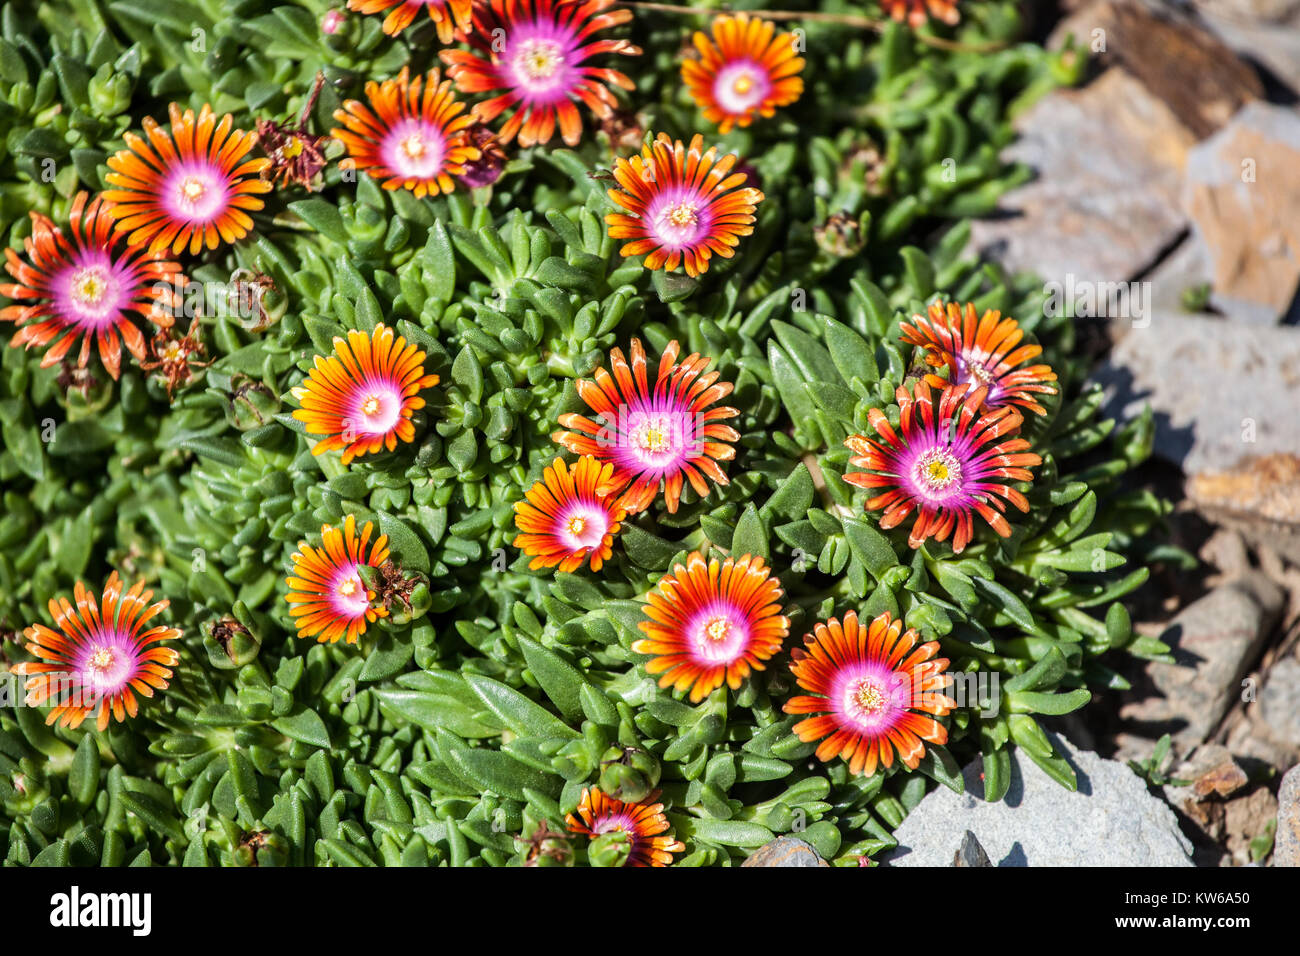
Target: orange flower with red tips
{"points": [[569, 517], [683, 205], [745, 70], [916, 12], [877, 691], [192, 188], [362, 396], [100, 657], [533, 55], [981, 352], [654, 437], [712, 622], [410, 136], [945, 463], [86, 287], [327, 597], [644, 823], [448, 16]]}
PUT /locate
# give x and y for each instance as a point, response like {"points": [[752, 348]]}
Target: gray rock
{"points": [[1259, 497], [1267, 31], [1101, 214], [1243, 196], [1111, 820], [1226, 550], [785, 851], [970, 853], [1279, 702], [1214, 641], [1286, 844], [1220, 389], [1180, 62], [1184, 270]]}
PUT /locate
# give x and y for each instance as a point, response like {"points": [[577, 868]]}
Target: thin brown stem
{"points": [[840, 19]]}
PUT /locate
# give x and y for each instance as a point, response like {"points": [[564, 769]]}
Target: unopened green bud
{"points": [[418, 602], [610, 849], [110, 93], [229, 643], [261, 848], [841, 235], [251, 404], [628, 773]]}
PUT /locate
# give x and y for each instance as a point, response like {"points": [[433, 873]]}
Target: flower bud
{"points": [[416, 605], [841, 235], [251, 404], [610, 849], [333, 22], [230, 644], [260, 848], [628, 773], [109, 92]]}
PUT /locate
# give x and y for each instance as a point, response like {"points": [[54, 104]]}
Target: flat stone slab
{"points": [[1100, 214], [1111, 820], [1215, 641], [1221, 390]]}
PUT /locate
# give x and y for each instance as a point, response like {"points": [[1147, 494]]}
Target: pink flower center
{"points": [[94, 290], [105, 663], [740, 86], [719, 634], [868, 697], [376, 409], [679, 217], [583, 525], [937, 473], [614, 822], [348, 593], [90, 292], [539, 60], [196, 192], [415, 149], [973, 369]]}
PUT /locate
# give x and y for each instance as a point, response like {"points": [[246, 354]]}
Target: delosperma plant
{"points": [[583, 443]]}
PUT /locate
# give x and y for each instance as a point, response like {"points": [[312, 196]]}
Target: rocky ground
{"points": [[1166, 204]]}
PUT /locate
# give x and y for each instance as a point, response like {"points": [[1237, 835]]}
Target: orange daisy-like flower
{"points": [[407, 138], [684, 205], [326, 594], [877, 691], [916, 12], [85, 287], [947, 463], [448, 15], [657, 437], [981, 352], [711, 622], [745, 70], [644, 823], [100, 657], [532, 54], [568, 517], [363, 395], [192, 188]]}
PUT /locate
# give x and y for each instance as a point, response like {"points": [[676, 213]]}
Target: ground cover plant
{"points": [[543, 433]]}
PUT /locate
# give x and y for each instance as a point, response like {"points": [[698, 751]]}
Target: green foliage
{"points": [[453, 734]]}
